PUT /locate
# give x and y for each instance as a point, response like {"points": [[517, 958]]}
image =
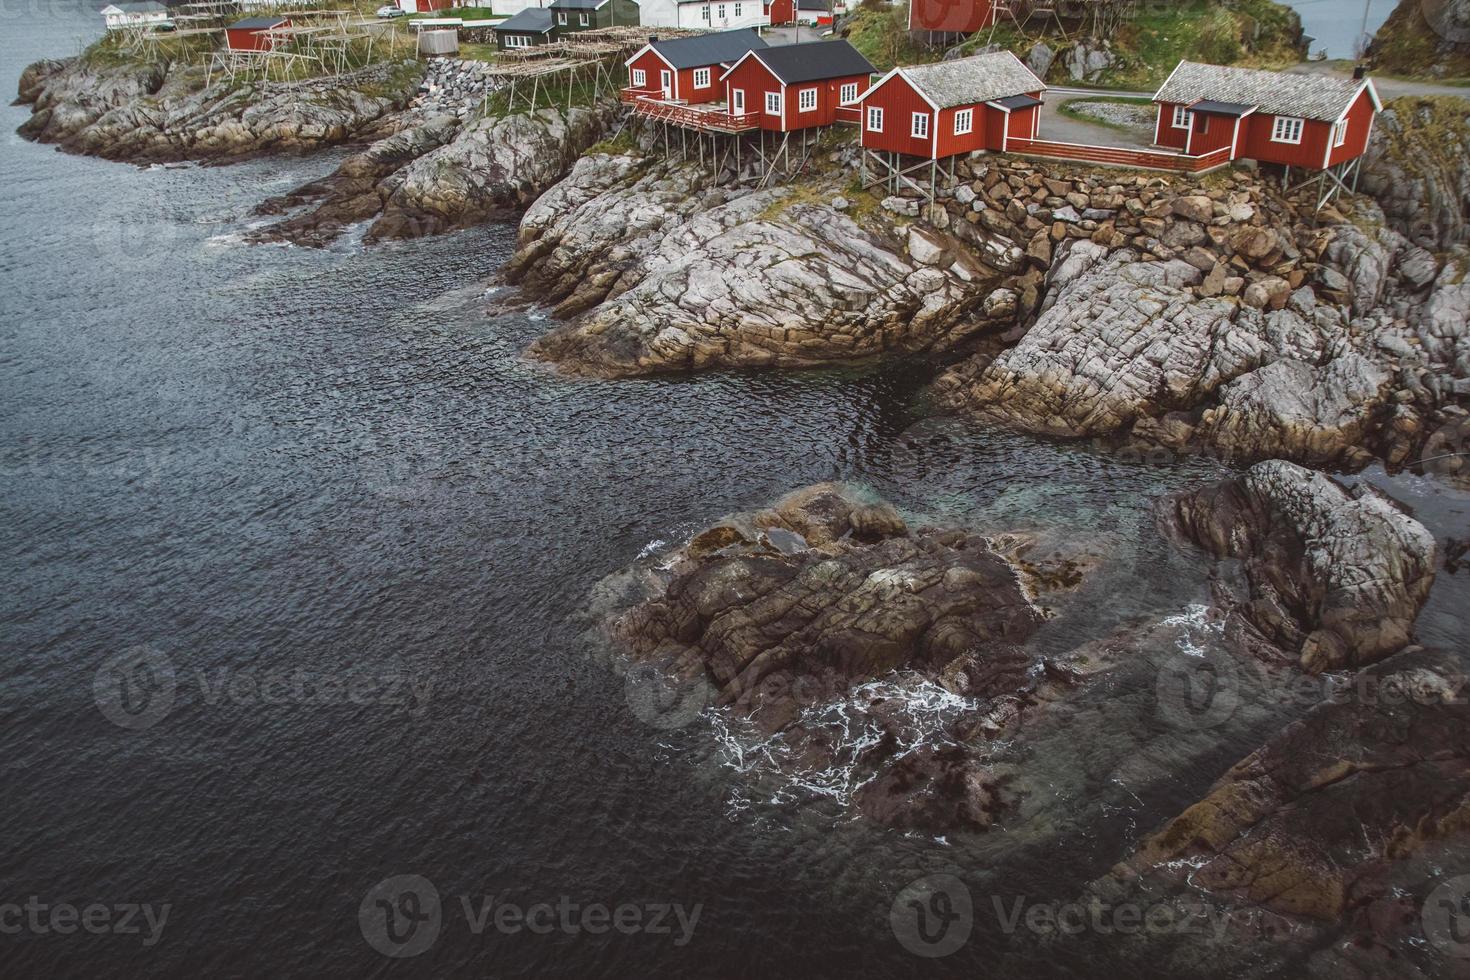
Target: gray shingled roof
{"points": [[796, 63], [532, 20], [724, 48], [979, 78], [1279, 93]]}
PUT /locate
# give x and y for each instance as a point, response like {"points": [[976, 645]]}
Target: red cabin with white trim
{"points": [[798, 86], [688, 69], [940, 110], [250, 33], [1299, 120]]}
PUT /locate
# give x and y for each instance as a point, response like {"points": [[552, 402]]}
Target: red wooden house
{"points": [[1300, 120], [251, 34], [798, 86], [936, 111], [950, 16], [688, 69]]}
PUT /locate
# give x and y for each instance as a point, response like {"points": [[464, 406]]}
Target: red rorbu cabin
{"points": [[251, 34], [1310, 121], [940, 110], [688, 69], [950, 16], [798, 86]]}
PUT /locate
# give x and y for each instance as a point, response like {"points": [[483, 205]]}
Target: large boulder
{"points": [[1336, 576]]}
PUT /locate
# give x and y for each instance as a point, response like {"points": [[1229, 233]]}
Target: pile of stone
{"points": [[455, 86]]}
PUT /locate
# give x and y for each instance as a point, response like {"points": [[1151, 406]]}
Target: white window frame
{"points": [[1182, 117], [773, 103], [704, 13], [875, 119], [964, 122], [737, 11], [848, 94], [517, 41], [919, 125], [582, 20], [640, 78], [737, 101], [1339, 133], [720, 12], [1287, 129], [701, 78], [806, 100], [561, 18]]}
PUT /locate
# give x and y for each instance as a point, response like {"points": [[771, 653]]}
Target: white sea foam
{"points": [[1196, 629], [919, 711]]}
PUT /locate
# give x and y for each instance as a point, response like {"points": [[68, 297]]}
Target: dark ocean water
{"points": [[322, 497]]}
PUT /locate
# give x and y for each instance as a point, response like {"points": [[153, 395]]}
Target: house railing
{"points": [[1117, 156], [703, 119], [631, 95]]}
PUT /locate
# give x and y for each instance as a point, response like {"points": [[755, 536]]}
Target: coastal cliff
{"points": [[154, 113], [1212, 314]]}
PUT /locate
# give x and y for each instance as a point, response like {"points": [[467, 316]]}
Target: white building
{"points": [[714, 15], [133, 14]]}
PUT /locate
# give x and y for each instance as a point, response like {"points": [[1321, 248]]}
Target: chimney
{"points": [[1360, 72], [653, 39]]}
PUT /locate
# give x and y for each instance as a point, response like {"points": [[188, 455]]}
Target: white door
{"points": [[737, 101], [666, 80]]}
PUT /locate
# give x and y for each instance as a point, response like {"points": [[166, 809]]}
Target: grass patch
{"points": [[880, 32], [553, 95], [621, 145], [1250, 33]]}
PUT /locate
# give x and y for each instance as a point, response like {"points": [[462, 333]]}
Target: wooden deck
{"points": [[705, 118], [1115, 156]]}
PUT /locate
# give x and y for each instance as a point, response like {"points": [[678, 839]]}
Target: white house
{"points": [[714, 15], [133, 14]]}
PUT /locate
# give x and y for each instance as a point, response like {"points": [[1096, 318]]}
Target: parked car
{"points": [[387, 12]]}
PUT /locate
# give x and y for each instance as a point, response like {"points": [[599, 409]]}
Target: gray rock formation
{"points": [[1336, 576], [152, 113], [683, 276], [1418, 167]]}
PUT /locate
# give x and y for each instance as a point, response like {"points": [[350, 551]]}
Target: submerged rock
{"points": [[1335, 576]]}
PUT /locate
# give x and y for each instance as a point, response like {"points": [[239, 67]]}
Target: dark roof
{"points": [[1210, 106], [258, 23], [532, 20], [795, 63], [811, 4], [1015, 102], [726, 47], [576, 4]]}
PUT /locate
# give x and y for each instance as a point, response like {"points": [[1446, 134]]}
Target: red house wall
{"points": [[713, 93], [949, 16], [1256, 142], [1211, 132], [425, 6], [1360, 122], [949, 144], [1164, 132], [651, 64], [755, 79], [898, 100], [1023, 121]]}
